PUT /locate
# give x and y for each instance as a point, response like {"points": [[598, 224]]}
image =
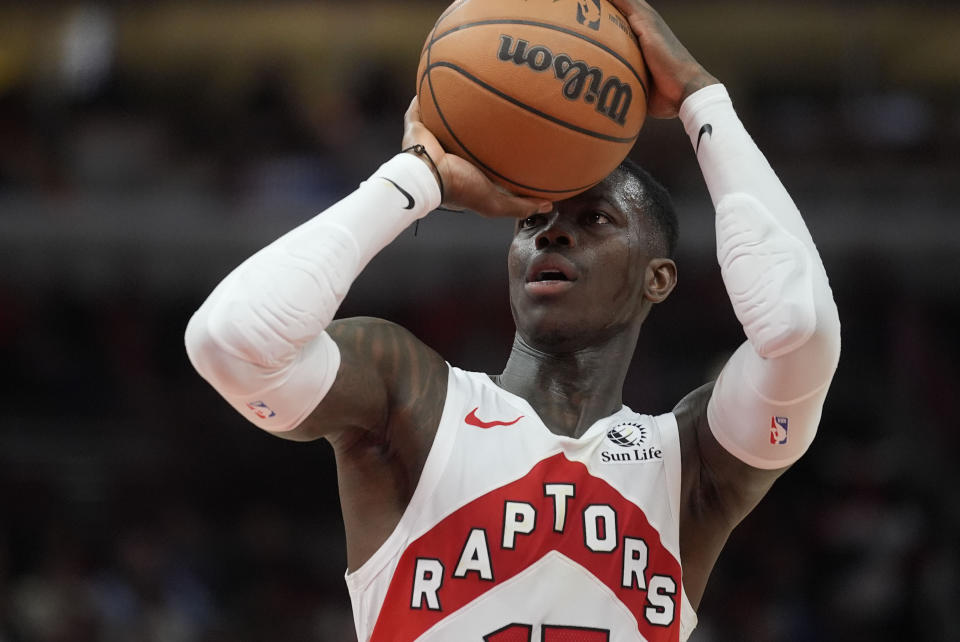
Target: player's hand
{"points": [[675, 74], [465, 186]]}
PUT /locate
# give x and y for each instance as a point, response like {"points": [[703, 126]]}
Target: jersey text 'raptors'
{"points": [[515, 534]]}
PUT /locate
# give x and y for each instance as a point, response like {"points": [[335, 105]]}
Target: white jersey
{"points": [[515, 534]]}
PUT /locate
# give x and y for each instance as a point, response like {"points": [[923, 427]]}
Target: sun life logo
{"points": [[627, 434], [633, 447]]}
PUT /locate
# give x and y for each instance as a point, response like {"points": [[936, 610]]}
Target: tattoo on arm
{"points": [[388, 380]]}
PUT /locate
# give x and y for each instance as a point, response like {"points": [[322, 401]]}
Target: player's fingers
{"points": [[468, 187], [632, 8], [413, 112], [625, 6], [503, 204]]}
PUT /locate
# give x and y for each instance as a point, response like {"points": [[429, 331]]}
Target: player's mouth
{"points": [[550, 274]]}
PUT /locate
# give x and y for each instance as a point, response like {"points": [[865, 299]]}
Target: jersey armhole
{"points": [[433, 468], [688, 616], [670, 438]]}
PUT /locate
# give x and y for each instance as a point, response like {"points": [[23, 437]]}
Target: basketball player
{"points": [[533, 505]]}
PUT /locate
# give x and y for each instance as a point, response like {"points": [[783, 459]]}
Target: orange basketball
{"points": [[545, 96]]}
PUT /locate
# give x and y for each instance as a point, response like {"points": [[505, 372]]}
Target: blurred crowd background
{"points": [[146, 148]]}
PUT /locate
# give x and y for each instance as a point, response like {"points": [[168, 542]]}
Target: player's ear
{"points": [[659, 279]]}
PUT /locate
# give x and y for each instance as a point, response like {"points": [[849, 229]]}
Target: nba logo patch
{"points": [[778, 430], [588, 13], [261, 409]]}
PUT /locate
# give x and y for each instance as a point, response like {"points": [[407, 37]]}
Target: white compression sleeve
{"points": [[766, 404], [259, 338]]}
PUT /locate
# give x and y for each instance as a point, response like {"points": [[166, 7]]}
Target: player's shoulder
{"points": [[692, 409], [388, 381], [402, 360], [378, 338], [365, 324]]}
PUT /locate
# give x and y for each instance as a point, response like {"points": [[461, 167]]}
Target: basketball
{"points": [[546, 97]]}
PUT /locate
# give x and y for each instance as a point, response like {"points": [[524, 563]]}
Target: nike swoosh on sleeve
{"points": [[706, 129], [410, 201]]}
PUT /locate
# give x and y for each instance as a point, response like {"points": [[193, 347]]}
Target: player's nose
{"points": [[555, 232]]}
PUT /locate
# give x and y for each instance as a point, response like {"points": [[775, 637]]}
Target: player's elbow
{"points": [[827, 334], [822, 347], [205, 354], [207, 351], [810, 367], [808, 328]]}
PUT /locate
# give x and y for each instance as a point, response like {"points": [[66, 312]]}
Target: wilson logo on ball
{"points": [[611, 96]]}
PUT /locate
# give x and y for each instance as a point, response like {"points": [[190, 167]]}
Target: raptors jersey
{"points": [[515, 534]]}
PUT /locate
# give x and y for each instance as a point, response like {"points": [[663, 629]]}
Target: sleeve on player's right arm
{"points": [[766, 404], [260, 339]]}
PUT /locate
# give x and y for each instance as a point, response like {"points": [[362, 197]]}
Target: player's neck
{"points": [[570, 391]]}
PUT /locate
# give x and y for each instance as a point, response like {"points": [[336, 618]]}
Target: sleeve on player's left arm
{"points": [[260, 338], [767, 402]]}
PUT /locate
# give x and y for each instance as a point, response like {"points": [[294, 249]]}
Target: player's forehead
{"points": [[620, 191]]}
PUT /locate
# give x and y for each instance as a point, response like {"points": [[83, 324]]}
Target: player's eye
{"points": [[598, 218], [530, 221]]}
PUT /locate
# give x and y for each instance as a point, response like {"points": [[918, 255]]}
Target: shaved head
{"points": [[652, 201]]}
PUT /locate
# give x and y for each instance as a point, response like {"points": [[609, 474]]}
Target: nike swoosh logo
{"points": [[706, 129], [473, 420], [410, 201]]}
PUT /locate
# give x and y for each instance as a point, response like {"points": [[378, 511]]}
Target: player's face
{"points": [[581, 274]]}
